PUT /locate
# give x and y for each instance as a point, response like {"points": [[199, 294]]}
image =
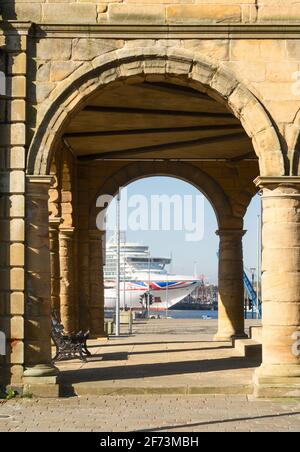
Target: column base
{"points": [[219, 337], [277, 381], [41, 381]]}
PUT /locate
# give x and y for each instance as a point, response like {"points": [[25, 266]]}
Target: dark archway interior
{"points": [[157, 121]]}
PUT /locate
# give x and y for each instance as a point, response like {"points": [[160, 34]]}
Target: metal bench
{"points": [[72, 346]]}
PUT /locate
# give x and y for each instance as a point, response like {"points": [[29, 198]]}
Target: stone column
{"points": [[13, 120], [54, 264], [67, 295], [83, 280], [96, 304], [279, 374], [231, 324], [39, 370]]}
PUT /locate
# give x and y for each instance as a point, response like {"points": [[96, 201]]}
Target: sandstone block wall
{"points": [[12, 200], [69, 40], [151, 11], [270, 68]]}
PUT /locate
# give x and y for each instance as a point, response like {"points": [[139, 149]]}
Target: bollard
{"points": [[126, 318], [109, 327], [130, 322]]}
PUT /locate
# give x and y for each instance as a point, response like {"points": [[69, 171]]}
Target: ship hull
{"points": [[165, 294]]}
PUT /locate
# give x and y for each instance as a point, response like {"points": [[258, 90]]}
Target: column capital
{"points": [[234, 233], [54, 223], [39, 179], [279, 187], [67, 232], [38, 186], [273, 182]]}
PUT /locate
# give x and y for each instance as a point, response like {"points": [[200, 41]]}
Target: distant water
{"points": [[177, 314], [192, 314], [182, 314], [195, 314]]}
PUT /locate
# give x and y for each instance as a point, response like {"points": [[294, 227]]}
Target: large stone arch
{"points": [[183, 171], [71, 95]]}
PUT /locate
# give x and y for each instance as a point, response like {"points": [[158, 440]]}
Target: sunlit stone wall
{"points": [[151, 11]]}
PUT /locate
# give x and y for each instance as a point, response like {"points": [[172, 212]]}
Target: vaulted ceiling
{"points": [[156, 121]]}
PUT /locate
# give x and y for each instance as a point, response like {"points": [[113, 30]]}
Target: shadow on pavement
{"points": [[154, 370], [223, 421]]}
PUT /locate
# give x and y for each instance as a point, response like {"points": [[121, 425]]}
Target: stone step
{"points": [[256, 333], [249, 348], [100, 389]]}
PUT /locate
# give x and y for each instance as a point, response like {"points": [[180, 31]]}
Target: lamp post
{"points": [[118, 273], [124, 273], [253, 270], [149, 283], [258, 263], [167, 297]]}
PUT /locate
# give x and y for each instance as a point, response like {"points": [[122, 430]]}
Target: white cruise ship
{"points": [[140, 274]]}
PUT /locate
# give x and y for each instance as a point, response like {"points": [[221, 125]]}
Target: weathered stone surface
{"points": [[62, 69], [136, 14], [16, 352], [201, 13], [231, 289], [85, 49], [67, 283], [17, 254], [23, 11], [279, 11], [37, 318], [54, 49], [66, 63], [17, 303], [281, 320], [17, 64], [17, 158], [72, 13]]}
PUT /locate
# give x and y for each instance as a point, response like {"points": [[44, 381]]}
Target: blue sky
{"points": [[185, 253]]}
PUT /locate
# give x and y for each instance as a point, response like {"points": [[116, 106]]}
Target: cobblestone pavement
{"points": [[150, 413]]}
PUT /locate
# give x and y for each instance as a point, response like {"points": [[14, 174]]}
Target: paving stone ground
{"points": [[151, 413], [165, 356], [159, 354]]}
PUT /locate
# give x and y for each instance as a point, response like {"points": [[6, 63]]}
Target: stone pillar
{"points": [[96, 304], [231, 324], [13, 63], [84, 280], [279, 374], [39, 370], [54, 264], [67, 294]]}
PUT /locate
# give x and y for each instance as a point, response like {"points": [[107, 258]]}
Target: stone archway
{"points": [[186, 172], [281, 193], [72, 94], [231, 291]]}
